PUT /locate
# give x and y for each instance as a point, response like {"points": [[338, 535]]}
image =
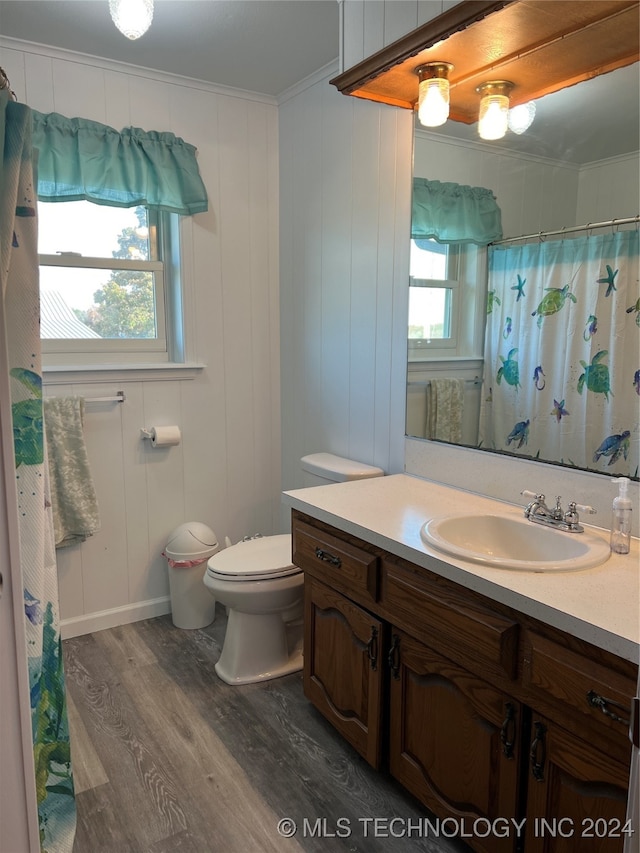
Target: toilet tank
{"points": [[322, 468]]}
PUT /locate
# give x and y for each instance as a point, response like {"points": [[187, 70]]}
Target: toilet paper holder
{"points": [[161, 436]]}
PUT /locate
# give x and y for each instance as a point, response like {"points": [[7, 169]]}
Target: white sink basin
{"points": [[507, 542]]}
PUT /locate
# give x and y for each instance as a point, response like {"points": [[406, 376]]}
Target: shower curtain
{"points": [[562, 344], [37, 569]]}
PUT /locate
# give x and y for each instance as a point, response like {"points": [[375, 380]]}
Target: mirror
{"points": [[576, 164]]}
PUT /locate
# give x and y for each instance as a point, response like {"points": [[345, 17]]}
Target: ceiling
{"points": [[266, 46], [262, 46]]}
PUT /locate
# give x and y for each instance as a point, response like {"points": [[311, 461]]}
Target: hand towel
{"points": [[73, 496], [444, 409]]}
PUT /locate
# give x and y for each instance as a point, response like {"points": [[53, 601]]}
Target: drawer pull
{"points": [[372, 648], [508, 731], [394, 656], [538, 754], [596, 701], [327, 557]]}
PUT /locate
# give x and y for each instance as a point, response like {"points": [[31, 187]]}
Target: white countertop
{"points": [[600, 605]]}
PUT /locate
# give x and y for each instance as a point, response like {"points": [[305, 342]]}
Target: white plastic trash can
{"points": [[187, 551]]}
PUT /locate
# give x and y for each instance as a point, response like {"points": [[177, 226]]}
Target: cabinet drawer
{"points": [[578, 683], [338, 563], [437, 614]]}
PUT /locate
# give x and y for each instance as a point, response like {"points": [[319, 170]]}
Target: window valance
{"points": [[82, 159], [453, 213]]}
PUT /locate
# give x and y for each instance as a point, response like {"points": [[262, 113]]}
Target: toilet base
{"points": [[259, 647]]}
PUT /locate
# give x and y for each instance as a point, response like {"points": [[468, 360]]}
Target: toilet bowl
{"points": [[263, 591]]}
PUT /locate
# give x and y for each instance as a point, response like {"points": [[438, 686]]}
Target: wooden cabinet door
{"points": [[454, 743], [576, 794], [342, 667]]}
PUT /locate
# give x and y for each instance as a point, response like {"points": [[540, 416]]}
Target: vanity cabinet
{"points": [[576, 794], [454, 740], [482, 712], [342, 669]]}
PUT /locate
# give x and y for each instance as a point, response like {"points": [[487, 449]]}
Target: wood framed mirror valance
{"points": [[540, 46]]}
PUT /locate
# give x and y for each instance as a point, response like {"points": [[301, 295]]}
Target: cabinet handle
{"points": [[596, 701], [508, 731], [394, 656], [538, 752], [372, 648], [327, 557]]}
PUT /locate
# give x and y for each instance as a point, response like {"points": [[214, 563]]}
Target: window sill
{"points": [[65, 375]]}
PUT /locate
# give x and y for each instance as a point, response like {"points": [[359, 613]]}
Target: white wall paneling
{"points": [[226, 471], [345, 172], [609, 189], [370, 25]]}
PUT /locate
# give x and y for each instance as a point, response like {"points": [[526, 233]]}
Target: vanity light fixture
{"points": [[433, 93], [132, 17], [521, 117], [494, 108]]}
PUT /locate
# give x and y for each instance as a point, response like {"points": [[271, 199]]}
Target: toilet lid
{"points": [[255, 559]]}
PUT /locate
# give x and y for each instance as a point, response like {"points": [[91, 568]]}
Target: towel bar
{"points": [[119, 398], [427, 382]]}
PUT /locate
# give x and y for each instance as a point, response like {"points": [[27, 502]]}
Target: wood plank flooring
{"points": [[168, 758]]}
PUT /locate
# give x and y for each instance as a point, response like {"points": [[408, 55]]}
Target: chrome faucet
{"points": [[538, 512]]}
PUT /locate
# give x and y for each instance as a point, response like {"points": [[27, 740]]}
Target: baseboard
{"points": [[79, 625]]}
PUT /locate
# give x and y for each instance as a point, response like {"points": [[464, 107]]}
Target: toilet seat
{"points": [[264, 558]]}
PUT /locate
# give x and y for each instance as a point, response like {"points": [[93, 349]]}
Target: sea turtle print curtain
{"points": [[562, 366], [37, 569]]}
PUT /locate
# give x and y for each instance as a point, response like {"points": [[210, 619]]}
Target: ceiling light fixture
{"points": [[433, 93], [521, 117], [494, 108], [132, 17]]}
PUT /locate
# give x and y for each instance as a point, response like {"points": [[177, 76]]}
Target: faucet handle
{"points": [[571, 517], [583, 508], [527, 494]]}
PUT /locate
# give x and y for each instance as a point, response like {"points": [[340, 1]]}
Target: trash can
{"points": [[187, 551]]}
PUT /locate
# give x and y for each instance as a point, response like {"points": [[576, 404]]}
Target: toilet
{"points": [[263, 590]]}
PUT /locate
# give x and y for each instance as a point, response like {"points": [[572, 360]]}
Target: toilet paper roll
{"points": [[165, 436]]}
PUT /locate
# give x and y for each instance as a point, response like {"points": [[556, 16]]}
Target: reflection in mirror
{"points": [[569, 169]]}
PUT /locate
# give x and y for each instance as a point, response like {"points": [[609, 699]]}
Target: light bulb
{"points": [[433, 93], [433, 102], [132, 17], [521, 117], [494, 109]]}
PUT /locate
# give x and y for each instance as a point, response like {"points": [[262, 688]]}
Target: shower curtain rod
{"points": [[542, 234]]}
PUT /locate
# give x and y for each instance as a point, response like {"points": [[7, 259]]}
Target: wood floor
{"points": [[167, 757]]}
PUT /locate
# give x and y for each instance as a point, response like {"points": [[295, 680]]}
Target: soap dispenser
{"points": [[621, 518]]}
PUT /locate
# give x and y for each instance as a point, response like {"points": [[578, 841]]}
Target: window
{"points": [[432, 303], [445, 297], [104, 283]]}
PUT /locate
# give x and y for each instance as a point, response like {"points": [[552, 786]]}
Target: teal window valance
{"points": [[453, 213], [82, 159]]}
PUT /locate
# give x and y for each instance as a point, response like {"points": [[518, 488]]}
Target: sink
{"points": [[508, 542]]}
